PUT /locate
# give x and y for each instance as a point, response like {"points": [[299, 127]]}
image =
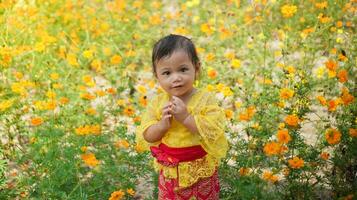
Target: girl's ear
{"points": [[197, 69]]}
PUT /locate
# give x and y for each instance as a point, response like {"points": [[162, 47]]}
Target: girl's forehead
{"points": [[177, 57]]}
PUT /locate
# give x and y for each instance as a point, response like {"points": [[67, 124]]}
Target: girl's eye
{"points": [[184, 69], [165, 73]]}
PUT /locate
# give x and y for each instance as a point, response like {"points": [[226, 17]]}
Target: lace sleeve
{"points": [[148, 118], [210, 121]]}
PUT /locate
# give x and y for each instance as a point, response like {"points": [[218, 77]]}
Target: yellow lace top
{"points": [[210, 122]]}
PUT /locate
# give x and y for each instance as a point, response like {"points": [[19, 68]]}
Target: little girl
{"points": [[183, 127]]}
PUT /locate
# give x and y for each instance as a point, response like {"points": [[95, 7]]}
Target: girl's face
{"points": [[176, 74]]}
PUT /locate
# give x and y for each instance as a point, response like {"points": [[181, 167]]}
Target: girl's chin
{"points": [[175, 92]]}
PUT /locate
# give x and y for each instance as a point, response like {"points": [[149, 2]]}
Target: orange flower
{"points": [[130, 191], [271, 148], [111, 91], [268, 176], [143, 101], [84, 148], [283, 136], [139, 148], [286, 93], [243, 171], [229, 113], [322, 100], [324, 155], [122, 144], [332, 105], [64, 100], [321, 5], [36, 121], [342, 76], [346, 97], [88, 129], [90, 159], [339, 24], [117, 195], [212, 73], [87, 96], [296, 162], [137, 119], [116, 59], [129, 111], [90, 111], [353, 132], [333, 136], [331, 65], [210, 57], [247, 114], [292, 120]]}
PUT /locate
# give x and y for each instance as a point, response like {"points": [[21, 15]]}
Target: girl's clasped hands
{"points": [[174, 108]]}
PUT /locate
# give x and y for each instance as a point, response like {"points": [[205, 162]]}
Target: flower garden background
{"points": [[76, 75]]}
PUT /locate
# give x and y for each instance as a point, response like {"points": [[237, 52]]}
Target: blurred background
{"points": [[76, 75]]}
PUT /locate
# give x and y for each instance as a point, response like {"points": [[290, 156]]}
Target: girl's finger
{"points": [[166, 111]]}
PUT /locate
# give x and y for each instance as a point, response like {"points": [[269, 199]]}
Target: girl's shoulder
{"points": [[203, 97]]}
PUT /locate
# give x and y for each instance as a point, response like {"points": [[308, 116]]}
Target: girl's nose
{"points": [[177, 77]]}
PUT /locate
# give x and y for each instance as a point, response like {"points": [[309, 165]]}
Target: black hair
{"points": [[170, 43]]}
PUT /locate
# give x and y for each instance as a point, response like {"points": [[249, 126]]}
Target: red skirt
{"points": [[204, 189]]}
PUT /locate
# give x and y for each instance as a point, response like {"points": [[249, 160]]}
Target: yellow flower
{"points": [[96, 65], [296, 162], [288, 10], [236, 63], [286, 93], [54, 76], [88, 54], [227, 91], [72, 60], [210, 57], [141, 89], [4, 105], [155, 19], [206, 28]]}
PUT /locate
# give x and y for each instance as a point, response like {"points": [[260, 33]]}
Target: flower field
{"points": [[75, 77]]}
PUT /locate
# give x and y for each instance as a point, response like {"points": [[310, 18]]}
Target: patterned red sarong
{"points": [[204, 189]]}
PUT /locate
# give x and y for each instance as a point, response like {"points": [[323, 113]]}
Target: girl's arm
{"points": [[190, 124], [154, 133]]}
